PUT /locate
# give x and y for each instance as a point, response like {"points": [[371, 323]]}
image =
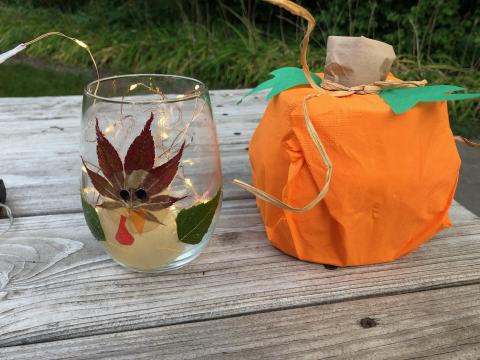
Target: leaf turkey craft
{"points": [[134, 184]]}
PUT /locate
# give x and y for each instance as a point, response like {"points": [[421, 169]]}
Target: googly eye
{"points": [[141, 194], [125, 194]]}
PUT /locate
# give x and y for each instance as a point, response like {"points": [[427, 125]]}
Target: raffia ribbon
{"points": [[339, 90], [326, 160], [466, 141], [327, 86], [302, 12], [330, 88]]}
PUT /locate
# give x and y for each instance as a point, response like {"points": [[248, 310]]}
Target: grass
{"points": [[237, 46], [239, 61], [27, 80]]}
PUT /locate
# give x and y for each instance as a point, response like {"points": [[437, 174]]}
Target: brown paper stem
{"points": [[332, 87]]}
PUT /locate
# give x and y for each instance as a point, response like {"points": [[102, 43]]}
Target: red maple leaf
{"points": [[161, 176], [141, 153], [109, 160], [114, 184]]}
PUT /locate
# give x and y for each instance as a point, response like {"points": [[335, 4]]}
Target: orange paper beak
{"points": [[137, 217]]}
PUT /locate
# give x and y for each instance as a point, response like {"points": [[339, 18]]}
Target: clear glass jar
{"points": [[151, 175]]}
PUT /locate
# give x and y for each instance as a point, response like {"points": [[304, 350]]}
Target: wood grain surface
{"points": [[439, 324], [62, 297]]}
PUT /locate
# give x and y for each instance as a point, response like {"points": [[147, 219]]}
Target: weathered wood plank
{"points": [[40, 160], [58, 284], [77, 290], [438, 324], [54, 186]]}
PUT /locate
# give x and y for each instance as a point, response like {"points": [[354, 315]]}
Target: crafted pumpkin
{"points": [[134, 184], [356, 168]]}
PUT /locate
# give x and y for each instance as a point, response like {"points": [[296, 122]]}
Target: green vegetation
{"points": [[27, 80], [236, 44]]}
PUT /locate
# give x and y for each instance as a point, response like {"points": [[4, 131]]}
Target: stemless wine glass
{"points": [[151, 176]]}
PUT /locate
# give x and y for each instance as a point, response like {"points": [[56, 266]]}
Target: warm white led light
{"points": [[162, 120], [81, 43], [109, 129], [89, 190]]}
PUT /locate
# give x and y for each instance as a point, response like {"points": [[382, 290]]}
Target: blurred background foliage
{"points": [[232, 44]]}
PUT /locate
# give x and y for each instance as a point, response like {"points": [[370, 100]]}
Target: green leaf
{"points": [[401, 100], [283, 79], [93, 222], [193, 223]]}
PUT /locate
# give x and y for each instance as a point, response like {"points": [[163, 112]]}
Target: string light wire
{"points": [[9, 214], [76, 41]]}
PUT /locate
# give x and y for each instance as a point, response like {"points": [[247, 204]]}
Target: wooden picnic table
{"points": [[62, 297]]}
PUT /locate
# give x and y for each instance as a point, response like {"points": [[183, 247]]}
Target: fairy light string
{"points": [[76, 41], [21, 47], [9, 215], [181, 133], [8, 54]]}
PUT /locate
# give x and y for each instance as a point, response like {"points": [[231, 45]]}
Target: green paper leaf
{"points": [[93, 222], [283, 79], [193, 223], [401, 100]]}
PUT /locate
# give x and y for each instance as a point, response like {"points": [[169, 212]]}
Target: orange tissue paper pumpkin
{"points": [[352, 167]]}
